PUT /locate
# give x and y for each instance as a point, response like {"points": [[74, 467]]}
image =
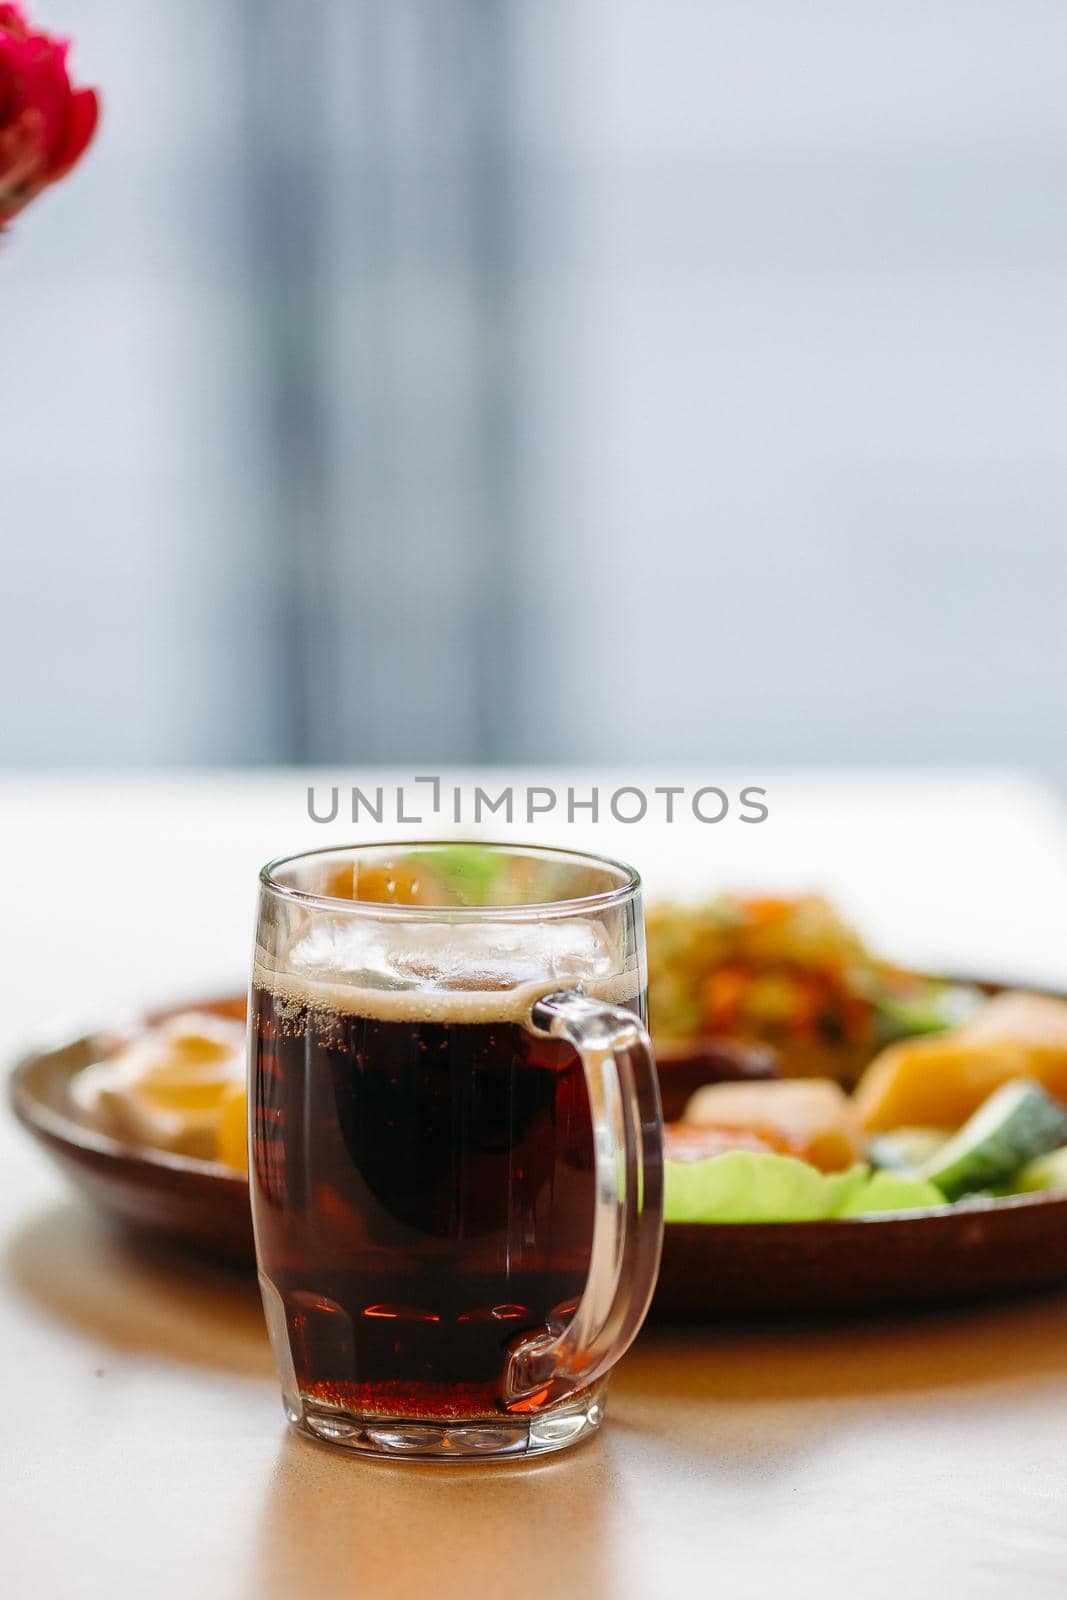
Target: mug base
{"points": [[506, 1438]]}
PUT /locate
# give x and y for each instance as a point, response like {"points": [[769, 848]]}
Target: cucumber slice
{"points": [[1018, 1123], [906, 1149], [1047, 1172]]}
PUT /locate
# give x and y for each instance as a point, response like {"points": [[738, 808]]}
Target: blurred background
{"points": [[464, 380]]}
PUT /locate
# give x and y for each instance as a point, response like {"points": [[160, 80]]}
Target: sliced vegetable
{"points": [[890, 1191], [1018, 1123], [905, 1149], [939, 1081], [1047, 1172], [745, 1187]]}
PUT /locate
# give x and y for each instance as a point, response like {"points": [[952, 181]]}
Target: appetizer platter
{"points": [[841, 1134]]}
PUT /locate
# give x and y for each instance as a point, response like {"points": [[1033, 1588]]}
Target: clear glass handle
{"points": [[620, 1075]]}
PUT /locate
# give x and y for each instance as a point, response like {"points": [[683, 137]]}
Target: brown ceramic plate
{"points": [[200, 1203], [966, 1251]]}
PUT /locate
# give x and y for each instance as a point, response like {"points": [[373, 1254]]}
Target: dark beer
{"points": [[423, 1191]]}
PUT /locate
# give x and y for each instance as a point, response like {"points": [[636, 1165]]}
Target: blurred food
{"points": [[941, 1120], [1047, 1172], [809, 1118], [790, 975], [449, 875], [744, 1187], [906, 1149], [685, 1066], [1017, 1124], [976, 1110], [169, 1086], [939, 1082], [682, 1141], [233, 1127], [399, 882], [882, 1192]]}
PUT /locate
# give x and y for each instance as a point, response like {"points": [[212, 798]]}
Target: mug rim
{"points": [[534, 910]]}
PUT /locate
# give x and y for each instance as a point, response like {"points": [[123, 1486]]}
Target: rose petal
{"points": [[23, 158], [12, 21], [45, 124], [81, 125]]}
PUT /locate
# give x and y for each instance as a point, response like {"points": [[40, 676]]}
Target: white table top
{"points": [[144, 1450]]}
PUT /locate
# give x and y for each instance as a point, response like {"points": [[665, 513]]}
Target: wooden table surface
{"points": [[144, 1449]]}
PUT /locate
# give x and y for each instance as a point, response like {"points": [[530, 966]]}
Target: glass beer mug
{"points": [[456, 1143]]}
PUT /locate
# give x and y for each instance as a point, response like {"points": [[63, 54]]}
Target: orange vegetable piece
{"points": [[938, 1082]]}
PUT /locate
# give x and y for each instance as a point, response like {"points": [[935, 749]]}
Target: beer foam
{"points": [[445, 972]]}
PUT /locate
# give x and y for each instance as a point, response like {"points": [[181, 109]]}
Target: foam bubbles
{"points": [[445, 971]]}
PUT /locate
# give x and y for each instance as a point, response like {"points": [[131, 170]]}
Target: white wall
{"points": [[800, 370], [133, 569], [788, 374]]}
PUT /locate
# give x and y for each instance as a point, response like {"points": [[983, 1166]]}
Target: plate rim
{"points": [[42, 1119]]}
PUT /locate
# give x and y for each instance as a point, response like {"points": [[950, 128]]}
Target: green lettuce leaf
{"points": [[890, 1191], [743, 1186]]}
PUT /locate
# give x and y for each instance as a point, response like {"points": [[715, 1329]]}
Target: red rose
{"points": [[45, 124]]}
